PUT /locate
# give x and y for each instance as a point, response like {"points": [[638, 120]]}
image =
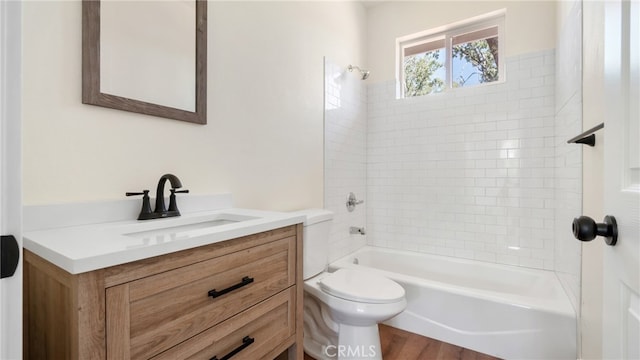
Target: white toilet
{"points": [[342, 309]]}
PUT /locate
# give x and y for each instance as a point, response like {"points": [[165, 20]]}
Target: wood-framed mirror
{"points": [[147, 57]]}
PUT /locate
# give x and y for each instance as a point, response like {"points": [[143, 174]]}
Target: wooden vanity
{"points": [[241, 296]]}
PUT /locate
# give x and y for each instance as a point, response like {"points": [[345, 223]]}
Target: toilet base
{"points": [[354, 343], [359, 343], [325, 339]]}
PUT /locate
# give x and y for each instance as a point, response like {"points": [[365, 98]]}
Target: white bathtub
{"points": [[505, 311]]}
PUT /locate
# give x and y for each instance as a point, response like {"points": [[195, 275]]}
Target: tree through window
{"points": [[456, 57]]}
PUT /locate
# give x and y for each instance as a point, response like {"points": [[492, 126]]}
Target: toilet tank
{"points": [[315, 241]]}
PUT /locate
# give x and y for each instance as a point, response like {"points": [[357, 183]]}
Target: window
{"points": [[458, 55]]}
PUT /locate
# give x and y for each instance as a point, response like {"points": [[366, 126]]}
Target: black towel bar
{"points": [[587, 137]]}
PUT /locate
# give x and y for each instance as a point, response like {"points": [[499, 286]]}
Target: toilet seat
{"points": [[361, 286]]}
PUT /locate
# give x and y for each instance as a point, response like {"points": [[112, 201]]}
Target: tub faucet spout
{"points": [[357, 230]]}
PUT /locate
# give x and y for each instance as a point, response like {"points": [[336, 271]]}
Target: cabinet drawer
{"points": [[268, 323], [150, 315]]}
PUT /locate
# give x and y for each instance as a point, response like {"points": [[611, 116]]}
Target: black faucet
{"points": [[160, 210]]}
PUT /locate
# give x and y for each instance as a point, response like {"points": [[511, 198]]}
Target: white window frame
{"points": [[447, 33]]}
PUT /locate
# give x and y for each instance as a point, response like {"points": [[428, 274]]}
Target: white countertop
{"points": [[84, 248]]}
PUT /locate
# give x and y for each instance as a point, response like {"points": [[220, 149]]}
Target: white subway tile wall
{"points": [[345, 155], [568, 171], [482, 173], [468, 173]]}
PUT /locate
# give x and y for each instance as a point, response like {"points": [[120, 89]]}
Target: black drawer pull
{"points": [[245, 281], [246, 341]]}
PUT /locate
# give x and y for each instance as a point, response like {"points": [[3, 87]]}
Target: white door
{"points": [[621, 288], [10, 173]]}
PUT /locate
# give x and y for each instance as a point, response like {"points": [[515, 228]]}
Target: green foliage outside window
{"points": [[475, 62], [482, 55], [419, 71]]}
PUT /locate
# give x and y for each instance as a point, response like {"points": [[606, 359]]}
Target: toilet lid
{"points": [[362, 286]]}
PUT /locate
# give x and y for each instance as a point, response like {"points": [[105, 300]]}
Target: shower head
{"points": [[363, 73]]}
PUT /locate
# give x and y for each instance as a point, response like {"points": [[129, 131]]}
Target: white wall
{"points": [[345, 155], [593, 177], [467, 173], [568, 172], [530, 26], [264, 138]]}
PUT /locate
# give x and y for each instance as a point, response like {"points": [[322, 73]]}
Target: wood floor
{"points": [[402, 345]]}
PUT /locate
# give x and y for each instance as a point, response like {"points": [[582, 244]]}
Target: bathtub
{"points": [[504, 311]]}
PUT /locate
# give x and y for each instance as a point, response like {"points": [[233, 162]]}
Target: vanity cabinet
{"points": [[241, 296]]}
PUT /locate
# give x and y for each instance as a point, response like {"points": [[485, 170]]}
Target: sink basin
{"points": [[185, 230]]}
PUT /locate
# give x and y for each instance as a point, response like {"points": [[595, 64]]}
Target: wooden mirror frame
{"points": [[91, 93]]}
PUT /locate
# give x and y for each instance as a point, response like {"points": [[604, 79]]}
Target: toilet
{"points": [[342, 309]]}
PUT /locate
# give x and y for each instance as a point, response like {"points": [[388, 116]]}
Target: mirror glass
{"points": [[143, 52], [146, 56]]}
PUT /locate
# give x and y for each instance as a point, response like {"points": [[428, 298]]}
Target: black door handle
{"points": [[10, 256], [586, 229]]}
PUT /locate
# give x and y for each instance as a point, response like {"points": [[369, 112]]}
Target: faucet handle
{"points": [[172, 200], [145, 212], [352, 202]]}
